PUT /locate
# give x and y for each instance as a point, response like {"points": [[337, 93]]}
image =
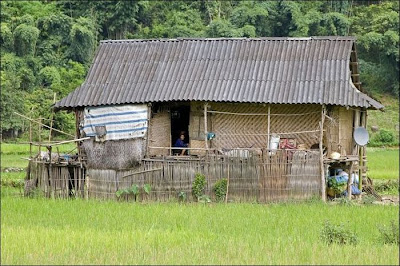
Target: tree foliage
{"points": [[47, 46]]}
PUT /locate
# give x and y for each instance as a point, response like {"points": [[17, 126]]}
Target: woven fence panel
{"points": [[291, 121], [234, 131], [250, 131]]}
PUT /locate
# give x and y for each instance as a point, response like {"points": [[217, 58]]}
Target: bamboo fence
{"points": [[266, 177]]}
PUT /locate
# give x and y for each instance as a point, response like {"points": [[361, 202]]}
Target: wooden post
{"points": [[227, 182], [349, 183], [40, 133], [362, 157], [148, 129], [205, 125], [356, 125], [52, 183], [321, 153], [77, 135], [269, 125], [30, 139], [52, 117]]}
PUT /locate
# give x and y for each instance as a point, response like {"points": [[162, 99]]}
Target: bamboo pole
{"points": [[30, 138], [269, 126], [205, 126], [349, 183], [59, 143], [227, 183], [148, 128], [30, 119], [261, 114], [52, 117], [39, 136], [362, 171], [321, 153], [52, 181], [141, 172]]}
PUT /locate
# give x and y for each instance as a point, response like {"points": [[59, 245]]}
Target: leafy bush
{"points": [[199, 185], [147, 189], [337, 234], [389, 234], [220, 188], [132, 190], [384, 137], [182, 196]]}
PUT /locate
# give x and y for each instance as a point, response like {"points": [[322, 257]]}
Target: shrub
{"points": [[389, 234], [384, 136], [220, 188], [337, 234], [199, 185], [132, 190], [182, 196]]}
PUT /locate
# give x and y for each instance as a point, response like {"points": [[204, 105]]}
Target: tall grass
{"points": [[37, 231]]}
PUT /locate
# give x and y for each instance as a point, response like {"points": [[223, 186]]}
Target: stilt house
{"points": [[265, 113]]}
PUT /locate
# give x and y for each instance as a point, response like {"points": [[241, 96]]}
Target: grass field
{"points": [[38, 231], [42, 231], [383, 163]]}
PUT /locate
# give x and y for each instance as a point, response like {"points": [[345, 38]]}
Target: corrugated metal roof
{"points": [[257, 70]]}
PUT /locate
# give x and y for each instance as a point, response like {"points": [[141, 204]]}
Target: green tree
{"points": [[25, 38], [82, 40]]}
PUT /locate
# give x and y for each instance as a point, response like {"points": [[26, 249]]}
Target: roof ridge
{"points": [[332, 38]]}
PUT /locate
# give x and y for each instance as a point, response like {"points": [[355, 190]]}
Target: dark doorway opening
{"points": [[180, 123]]}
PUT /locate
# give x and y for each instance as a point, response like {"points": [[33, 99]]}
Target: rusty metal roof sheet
{"points": [[311, 70]]}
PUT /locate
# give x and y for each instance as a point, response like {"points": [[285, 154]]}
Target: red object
{"points": [[287, 144]]}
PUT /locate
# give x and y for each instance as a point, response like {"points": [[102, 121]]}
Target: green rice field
{"points": [[383, 163], [41, 231], [45, 231]]}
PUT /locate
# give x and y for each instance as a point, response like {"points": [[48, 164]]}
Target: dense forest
{"points": [[47, 46]]}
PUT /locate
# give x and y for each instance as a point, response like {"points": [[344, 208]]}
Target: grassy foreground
{"points": [[40, 231]]}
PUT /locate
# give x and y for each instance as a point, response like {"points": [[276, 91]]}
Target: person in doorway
{"points": [[181, 144]]}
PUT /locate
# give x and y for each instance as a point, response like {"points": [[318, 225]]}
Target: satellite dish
{"points": [[361, 136]]}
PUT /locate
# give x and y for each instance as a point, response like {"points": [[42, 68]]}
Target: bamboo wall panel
{"points": [[331, 137], [160, 133], [346, 129], [234, 131]]}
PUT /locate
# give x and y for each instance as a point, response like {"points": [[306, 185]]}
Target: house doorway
{"points": [[180, 123]]}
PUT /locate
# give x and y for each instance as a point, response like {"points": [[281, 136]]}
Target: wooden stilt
{"points": [[269, 126], [205, 126], [321, 153], [51, 118]]}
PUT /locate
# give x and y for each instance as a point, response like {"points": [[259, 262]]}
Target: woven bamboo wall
{"points": [[346, 130], [233, 131], [339, 130], [160, 132]]}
